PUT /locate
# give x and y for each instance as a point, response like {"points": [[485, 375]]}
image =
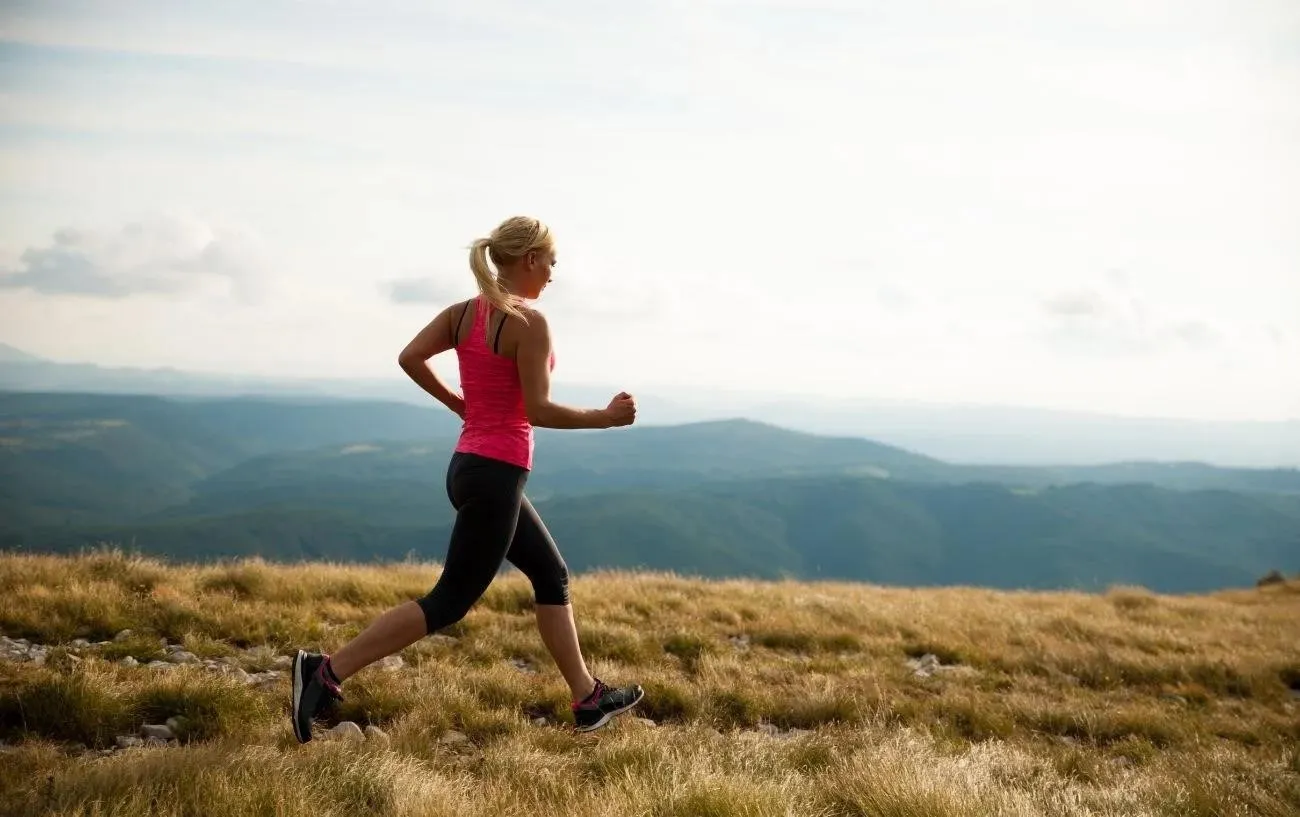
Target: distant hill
{"points": [[350, 480], [1179, 476], [1085, 537], [8, 354], [73, 458], [1002, 435]]}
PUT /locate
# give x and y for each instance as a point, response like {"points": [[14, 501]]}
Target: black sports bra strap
{"points": [[496, 342], [455, 335]]}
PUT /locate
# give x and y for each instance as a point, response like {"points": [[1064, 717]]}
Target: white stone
{"points": [[123, 635], [392, 663], [451, 737], [127, 741], [183, 657], [928, 665], [156, 730], [378, 736], [347, 730]]}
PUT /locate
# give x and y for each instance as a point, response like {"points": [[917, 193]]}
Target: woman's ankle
{"points": [[584, 691]]}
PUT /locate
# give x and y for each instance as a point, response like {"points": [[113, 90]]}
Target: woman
{"points": [[504, 351]]}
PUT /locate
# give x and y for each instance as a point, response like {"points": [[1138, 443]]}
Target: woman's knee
{"points": [[552, 585], [442, 609]]}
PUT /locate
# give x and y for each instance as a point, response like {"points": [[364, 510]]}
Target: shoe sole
{"points": [[297, 694], [609, 716]]}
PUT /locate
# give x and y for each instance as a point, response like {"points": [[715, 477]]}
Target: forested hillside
{"points": [[352, 481]]}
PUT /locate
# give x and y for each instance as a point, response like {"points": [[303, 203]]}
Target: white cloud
{"points": [[1113, 319], [918, 195], [1079, 303], [162, 255], [419, 290]]}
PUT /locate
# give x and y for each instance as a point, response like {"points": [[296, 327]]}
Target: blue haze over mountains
{"points": [[198, 467], [975, 433]]}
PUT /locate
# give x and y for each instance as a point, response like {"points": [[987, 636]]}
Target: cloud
{"points": [[422, 290], [165, 255], [895, 298], [1196, 332], [1114, 319], [1078, 303]]}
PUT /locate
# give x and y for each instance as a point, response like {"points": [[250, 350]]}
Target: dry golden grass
{"points": [[1124, 703]]}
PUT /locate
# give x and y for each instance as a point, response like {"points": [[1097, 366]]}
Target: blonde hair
{"points": [[511, 240]]}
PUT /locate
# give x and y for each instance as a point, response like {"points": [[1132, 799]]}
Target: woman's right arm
{"points": [[533, 358], [433, 339]]}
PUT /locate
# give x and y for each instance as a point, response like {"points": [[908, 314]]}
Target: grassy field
{"points": [[762, 698]]}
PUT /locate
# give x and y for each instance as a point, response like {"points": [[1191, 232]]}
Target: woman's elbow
{"points": [[408, 358], [536, 414]]}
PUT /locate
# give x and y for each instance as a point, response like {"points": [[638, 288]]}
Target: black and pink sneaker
{"points": [[313, 692], [603, 704]]}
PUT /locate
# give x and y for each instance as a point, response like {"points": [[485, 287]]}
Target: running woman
{"points": [[504, 351]]}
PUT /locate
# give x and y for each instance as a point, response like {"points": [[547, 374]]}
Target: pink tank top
{"points": [[496, 423]]}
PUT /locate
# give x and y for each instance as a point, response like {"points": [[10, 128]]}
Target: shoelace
{"points": [[594, 696]]}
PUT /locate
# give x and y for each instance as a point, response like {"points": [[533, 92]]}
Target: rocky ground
{"points": [[239, 664], [157, 734]]}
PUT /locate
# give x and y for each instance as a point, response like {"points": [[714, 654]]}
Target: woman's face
{"points": [[538, 266]]}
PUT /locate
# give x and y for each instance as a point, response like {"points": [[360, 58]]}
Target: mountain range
{"points": [[976, 434], [288, 479]]}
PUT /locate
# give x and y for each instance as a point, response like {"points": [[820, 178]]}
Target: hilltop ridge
{"points": [[763, 698]]}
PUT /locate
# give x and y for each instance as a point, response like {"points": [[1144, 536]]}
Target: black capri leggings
{"points": [[494, 522]]}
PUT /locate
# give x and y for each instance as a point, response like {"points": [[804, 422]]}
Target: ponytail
{"points": [[488, 284], [512, 239]]}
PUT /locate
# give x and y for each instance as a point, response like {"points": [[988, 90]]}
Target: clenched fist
{"points": [[621, 411]]}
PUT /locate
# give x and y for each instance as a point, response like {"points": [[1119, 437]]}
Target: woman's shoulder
{"points": [[457, 308], [532, 315]]}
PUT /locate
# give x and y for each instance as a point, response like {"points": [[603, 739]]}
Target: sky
{"points": [[1081, 205]]}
